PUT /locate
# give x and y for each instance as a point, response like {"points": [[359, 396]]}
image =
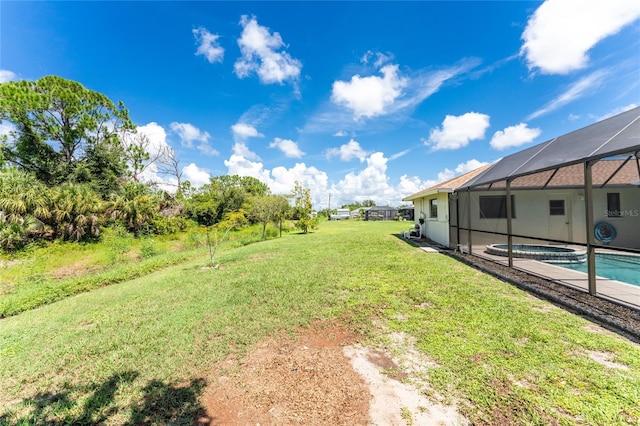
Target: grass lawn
{"points": [[139, 350]]}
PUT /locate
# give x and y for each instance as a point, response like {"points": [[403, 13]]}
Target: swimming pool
{"points": [[549, 254], [619, 267]]}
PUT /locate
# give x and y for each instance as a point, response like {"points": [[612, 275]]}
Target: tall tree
{"points": [[63, 131], [266, 208], [222, 195], [303, 208]]}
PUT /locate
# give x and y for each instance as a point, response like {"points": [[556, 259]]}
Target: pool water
{"points": [[619, 267]]}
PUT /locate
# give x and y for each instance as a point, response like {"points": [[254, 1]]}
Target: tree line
{"points": [[73, 163]]}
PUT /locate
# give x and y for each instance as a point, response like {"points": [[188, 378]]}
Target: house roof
{"points": [[448, 185], [616, 172], [614, 136]]}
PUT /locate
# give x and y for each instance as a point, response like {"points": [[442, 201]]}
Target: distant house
{"points": [[340, 215], [406, 213], [381, 213], [431, 206], [358, 213]]}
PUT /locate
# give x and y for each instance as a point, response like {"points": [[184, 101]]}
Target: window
{"points": [[433, 208], [495, 206], [556, 207], [613, 204]]}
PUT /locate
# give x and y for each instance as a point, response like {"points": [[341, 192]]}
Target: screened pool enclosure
{"points": [[580, 191]]}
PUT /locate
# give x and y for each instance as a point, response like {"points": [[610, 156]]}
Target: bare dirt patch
{"points": [[75, 269], [324, 376], [305, 380]]}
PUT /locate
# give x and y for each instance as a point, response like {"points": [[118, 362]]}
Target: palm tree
{"points": [[76, 211], [22, 196], [23, 208], [135, 206]]}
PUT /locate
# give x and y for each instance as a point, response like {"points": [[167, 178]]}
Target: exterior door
{"points": [[559, 222]]}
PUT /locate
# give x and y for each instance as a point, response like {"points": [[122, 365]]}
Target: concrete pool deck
{"points": [[616, 290], [627, 294]]}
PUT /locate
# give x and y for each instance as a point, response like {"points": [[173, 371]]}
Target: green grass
{"points": [[142, 350]]}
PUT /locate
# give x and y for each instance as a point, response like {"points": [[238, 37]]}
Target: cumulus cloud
{"points": [[156, 146], [340, 133], [281, 180], [288, 147], [188, 133], [243, 131], [580, 88], [349, 151], [208, 45], [458, 131], [369, 96], [370, 183], [195, 175], [512, 136], [460, 169], [157, 137], [560, 33], [388, 92], [6, 75], [262, 54], [241, 149]]}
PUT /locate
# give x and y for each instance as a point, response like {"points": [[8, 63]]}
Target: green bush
{"points": [[148, 249]]}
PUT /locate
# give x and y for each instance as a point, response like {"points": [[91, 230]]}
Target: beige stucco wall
{"points": [[436, 229], [533, 219]]}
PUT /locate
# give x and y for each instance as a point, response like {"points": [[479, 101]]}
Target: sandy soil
{"points": [[324, 376]]}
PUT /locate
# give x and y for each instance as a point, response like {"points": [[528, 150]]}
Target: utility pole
{"points": [[329, 208]]}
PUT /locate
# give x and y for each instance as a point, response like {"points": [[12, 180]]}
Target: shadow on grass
{"points": [[161, 403]]}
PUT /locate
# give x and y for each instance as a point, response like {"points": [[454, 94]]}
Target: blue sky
{"points": [[360, 100]]}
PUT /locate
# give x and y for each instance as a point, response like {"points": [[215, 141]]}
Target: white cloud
{"points": [[281, 180], [195, 175], [458, 131], [189, 133], [6, 75], [207, 149], [370, 183], [208, 45], [370, 96], [617, 111], [389, 94], [380, 58], [288, 147], [260, 54], [560, 33], [399, 154], [243, 131], [512, 136], [241, 149], [412, 184], [340, 133], [577, 90], [157, 138], [349, 151], [460, 169]]}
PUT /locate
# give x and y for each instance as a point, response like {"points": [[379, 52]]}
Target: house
{"points": [[381, 213], [406, 213], [431, 206], [340, 214], [560, 191]]}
